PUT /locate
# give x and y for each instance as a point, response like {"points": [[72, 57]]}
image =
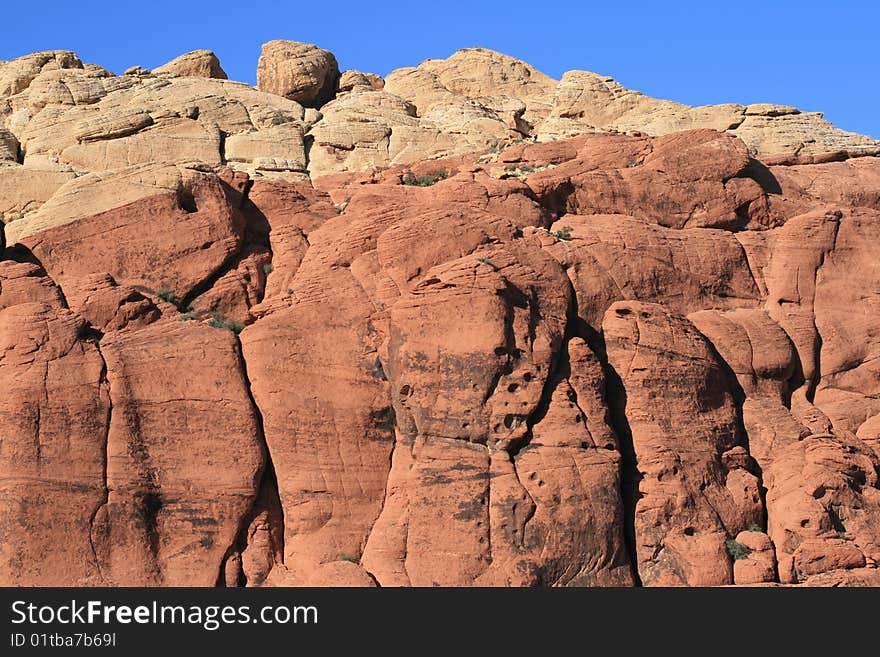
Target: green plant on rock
{"points": [[519, 170], [409, 178], [219, 321], [166, 294], [267, 268], [737, 550], [348, 558], [563, 233], [754, 527]]}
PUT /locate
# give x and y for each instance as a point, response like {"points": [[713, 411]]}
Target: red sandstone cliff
{"points": [[463, 326]]}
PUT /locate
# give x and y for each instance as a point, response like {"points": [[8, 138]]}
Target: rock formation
{"points": [[198, 63], [464, 325], [299, 71]]}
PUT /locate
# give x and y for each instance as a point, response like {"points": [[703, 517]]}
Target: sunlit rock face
{"points": [[464, 325]]}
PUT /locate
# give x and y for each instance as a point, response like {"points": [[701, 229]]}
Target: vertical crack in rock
{"points": [[532, 505], [38, 416], [759, 285], [615, 398], [222, 145], [147, 502], [379, 515], [104, 383], [308, 142], [560, 373], [629, 475], [817, 347], [393, 423], [256, 223], [267, 495], [739, 398]]}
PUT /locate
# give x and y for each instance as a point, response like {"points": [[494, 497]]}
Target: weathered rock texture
{"points": [[299, 71], [198, 63], [449, 328]]}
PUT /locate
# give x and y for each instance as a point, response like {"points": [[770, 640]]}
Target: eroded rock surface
{"points": [[449, 328]]}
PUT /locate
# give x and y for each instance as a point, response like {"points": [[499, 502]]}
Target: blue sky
{"points": [[816, 56]]}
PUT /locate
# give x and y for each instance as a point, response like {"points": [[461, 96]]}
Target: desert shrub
{"points": [[409, 178], [348, 557], [563, 233], [166, 294], [519, 170], [737, 550], [219, 321]]}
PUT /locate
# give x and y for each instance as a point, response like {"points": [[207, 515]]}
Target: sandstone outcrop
{"points": [[357, 81], [198, 63], [62, 119], [586, 102], [475, 74], [453, 327], [298, 71], [17, 74]]}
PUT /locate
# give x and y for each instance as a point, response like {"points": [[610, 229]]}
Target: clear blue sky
{"points": [[821, 56]]}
